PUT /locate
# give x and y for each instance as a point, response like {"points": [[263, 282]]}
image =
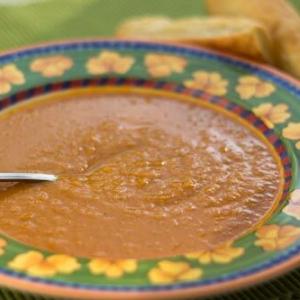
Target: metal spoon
{"points": [[29, 177]]}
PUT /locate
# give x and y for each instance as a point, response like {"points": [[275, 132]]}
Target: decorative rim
{"points": [[273, 267], [222, 102]]}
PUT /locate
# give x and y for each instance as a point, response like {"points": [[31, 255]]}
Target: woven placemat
{"points": [[25, 22]]}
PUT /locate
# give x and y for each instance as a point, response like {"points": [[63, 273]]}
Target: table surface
{"points": [[24, 22], [59, 19]]}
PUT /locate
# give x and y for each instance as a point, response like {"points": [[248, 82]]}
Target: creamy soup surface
{"points": [[140, 176]]}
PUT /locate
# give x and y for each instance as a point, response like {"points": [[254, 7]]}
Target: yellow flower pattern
{"points": [[169, 272], [275, 237], [2, 246], [293, 207], [109, 61], [10, 75], [34, 263], [292, 132], [210, 82], [252, 86], [269, 237], [52, 66], [221, 255], [112, 268], [160, 65], [272, 114]]}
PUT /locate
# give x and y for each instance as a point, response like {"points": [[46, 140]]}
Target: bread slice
{"points": [[237, 35], [280, 19]]}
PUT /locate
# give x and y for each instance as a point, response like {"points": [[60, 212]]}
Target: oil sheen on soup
{"points": [[140, 176]]}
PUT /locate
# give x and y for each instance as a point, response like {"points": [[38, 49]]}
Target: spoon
{"points": [[29, 177], [39, 177]]}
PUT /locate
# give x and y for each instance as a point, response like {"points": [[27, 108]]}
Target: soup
{"points": [[140, 175]]}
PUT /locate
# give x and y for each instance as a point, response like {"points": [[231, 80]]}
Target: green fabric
{"points": [[59, 19], [47, 20]]}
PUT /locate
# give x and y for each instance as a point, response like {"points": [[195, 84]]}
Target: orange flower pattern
{"points": [[10, 75], [34, 263], [3, 244], [292, 132], [221, 255], [52, 66], [272, 114], [210, 82], [275, 237], [160, 65], [109, 61], [169, 272], [252, 86], [112, 268]]}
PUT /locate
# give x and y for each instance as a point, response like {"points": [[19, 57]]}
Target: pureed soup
{"points": [[141, 175]]}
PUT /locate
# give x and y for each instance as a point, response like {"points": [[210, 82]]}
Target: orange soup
{"points": [[140, 176]]}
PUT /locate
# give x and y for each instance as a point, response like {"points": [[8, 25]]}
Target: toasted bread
{"points": [[279, 18], [237, 35]]}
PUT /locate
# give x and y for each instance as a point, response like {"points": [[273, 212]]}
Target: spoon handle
{"points": [[29, 177]]}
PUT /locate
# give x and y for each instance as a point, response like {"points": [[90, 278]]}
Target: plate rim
{"points": [[166, 292]]}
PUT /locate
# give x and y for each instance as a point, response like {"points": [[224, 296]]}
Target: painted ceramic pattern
{"points": [[272, 99]]}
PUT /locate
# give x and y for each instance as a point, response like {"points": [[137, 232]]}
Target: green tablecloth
{"points": [[58, 19], [24, 22]]}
